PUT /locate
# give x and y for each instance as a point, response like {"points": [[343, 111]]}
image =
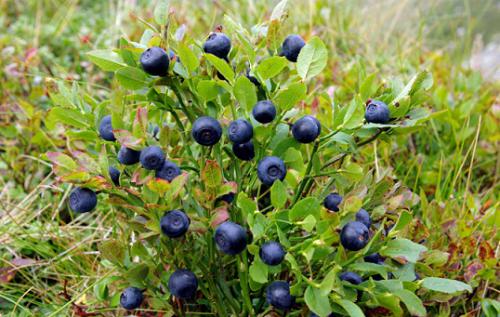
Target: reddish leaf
{"points": [[219, 216], [472, 269]]}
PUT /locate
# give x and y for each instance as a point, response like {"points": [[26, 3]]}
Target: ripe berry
{"points": [[174, 223], [128, 156], [374, 258], [306, 129], [377, 112], [230, 238], [272, 253], [168, 171], [228, 198], [206, 131], [332, 202], [82, 200], [252, 79], [240, 131], [364, 217], [270, 169], [354, 236], [106, 130], [183, 284], [351, 277], [155, 61], [291, 47], [217, 44], [152, 158], [114, 174], [278, 295], [264, 111], [131, 298], [244, 151]]}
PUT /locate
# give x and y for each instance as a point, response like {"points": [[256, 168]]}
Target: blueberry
{"points": [[174, 223], [114, 174], [252, 79], [206, 131], [377, 112], [354, 236], [128, 156], [131, 298], [244, 151], [152, 158], [230, 238], [278, 295], [291, 47], [106, 130], [270, 169], [374, 258], [306, 129], [156, 131], [168, 171], [217, 44], [272, 253], [264, 111], [228, 198], [183, 284], [82, 200], [155, 61], [351, 277], [364, 217], [332, 201], [240, 131]]}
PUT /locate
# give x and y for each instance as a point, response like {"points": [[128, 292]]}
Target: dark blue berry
{"points": [[114, 174], [264, 111], [377, 112], [217, 44], [354, 236], [291, 47], [106, 130], [228, 198], [183, 284], [332, 202], [270, 169], [168, 171], [351, 277], [306, 129], [252, 79], [155, 61], [230, 238], [128, 156], [244, 151], [278, 295], [174, 223], [152, 158], [364, 217], [131, 298], [272, 253], [240, 131], [374, 258], [82, 200], [206, 131]]}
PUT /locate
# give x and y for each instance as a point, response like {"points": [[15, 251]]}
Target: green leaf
{"points": [[305, 207], [211, 175], [403, 250], [222, 66], [316, 302], [271, 67], [444, 285], [258, 271], [369, 267], [247, 205], [161, 12], [137, 275], [107, 60], [290, 96], [278, 195], [68, 116], [279, 10], [131, 78], [328, 282], [391, 302], [354, 115], [308, 223], [113, 251], [352, 309], [422, 80], [244, 91], [411, 301], [403, 220], [207, 89], [312, 58], [188, 58]]}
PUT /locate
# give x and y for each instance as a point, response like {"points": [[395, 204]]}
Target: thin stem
{"points": [[298, 193]]}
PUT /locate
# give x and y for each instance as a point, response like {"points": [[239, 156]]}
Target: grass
{"points": [[453, 163]]}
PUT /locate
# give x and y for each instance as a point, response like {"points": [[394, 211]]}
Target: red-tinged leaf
{"points": [[158, 185], [85, 162], [486, 252], [228, 187], [212, 174], [9, 272], [125, 138], [132, 191], [219, 216], [99, 183], [177, 185], [141, 176], [62, 160], [140, 124], [76, 176], [472, 269]]}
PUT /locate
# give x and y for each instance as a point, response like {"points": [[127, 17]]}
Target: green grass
{"points": [[453, 163]]}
